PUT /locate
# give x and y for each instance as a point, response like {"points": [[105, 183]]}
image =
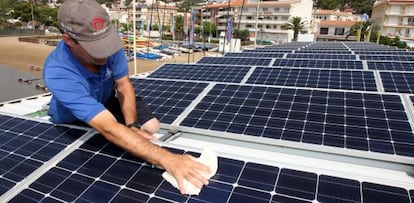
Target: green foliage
{"points": [[209, 28], [297, 25], [357, 5], [242, 34], [364, 27]]}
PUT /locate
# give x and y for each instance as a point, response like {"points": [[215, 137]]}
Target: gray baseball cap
{"points": [[88, 23]]}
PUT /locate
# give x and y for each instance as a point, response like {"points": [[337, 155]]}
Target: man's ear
{"points": [[69, 41]]}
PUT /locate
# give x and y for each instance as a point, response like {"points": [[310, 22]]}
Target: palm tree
{"points": [[297, 25], [364, 28]]}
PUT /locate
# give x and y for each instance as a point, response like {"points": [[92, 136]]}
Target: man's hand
{"points": [[185, 167], [143, 134]]}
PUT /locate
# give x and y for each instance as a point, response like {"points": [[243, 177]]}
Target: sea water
{"points": [[12, 88]]}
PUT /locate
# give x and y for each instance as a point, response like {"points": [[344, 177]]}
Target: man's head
{"points": [[88, 23]]}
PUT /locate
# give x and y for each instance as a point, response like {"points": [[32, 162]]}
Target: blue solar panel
{"points": [[394, 52], [387, 58], [255, 55], [267, 51], [232, 74], [236, 61], [314, 78], [340, 52], [100, 172], [390, 65], [25, 145], [308, 63], [167, 99], [321, 56], [361, 121], [398, 82]]}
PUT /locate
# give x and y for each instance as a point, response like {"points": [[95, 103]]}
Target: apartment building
{"points": [[330, 25], [394, 18], [264, 18]]}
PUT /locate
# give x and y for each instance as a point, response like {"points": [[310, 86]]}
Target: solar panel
{"points": [[360, 121], [100, 172], [314, 78], [236, 61], [322, 56], [255, 55], [231, 74], [304, 51], [398, 82], [390, 65], [167, 99], [386, 57], [394, 52], [308, 63], [25, 145], [269, 51]]}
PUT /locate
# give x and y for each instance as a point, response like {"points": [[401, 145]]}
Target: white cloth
{"points": [[207, 157]]}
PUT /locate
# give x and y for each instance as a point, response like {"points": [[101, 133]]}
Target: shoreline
{"points": [[29, 57]]}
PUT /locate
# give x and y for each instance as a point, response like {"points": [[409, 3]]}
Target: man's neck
{"points": [[92, 68]]}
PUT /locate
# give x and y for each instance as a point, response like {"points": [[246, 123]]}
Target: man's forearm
{"points": [[126, 96]]}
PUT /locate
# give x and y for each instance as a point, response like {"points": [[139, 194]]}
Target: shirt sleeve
{"points": [[70, 90], [120, 65]]}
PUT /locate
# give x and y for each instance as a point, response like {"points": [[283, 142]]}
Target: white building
{"points": [[333, 24], [394, 18], [264, 17]]}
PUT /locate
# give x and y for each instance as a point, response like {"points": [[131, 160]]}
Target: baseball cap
{"points": [[88, 23]]}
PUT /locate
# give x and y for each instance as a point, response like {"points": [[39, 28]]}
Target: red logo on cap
{"points": [[97, 23]]}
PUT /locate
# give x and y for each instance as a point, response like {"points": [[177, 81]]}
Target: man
{"points": [[81, 73]]}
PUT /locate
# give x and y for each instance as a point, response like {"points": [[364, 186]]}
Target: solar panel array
{"points": [[26, 145], [235, 61], [334, 107], [100, 172], [311, 63]]}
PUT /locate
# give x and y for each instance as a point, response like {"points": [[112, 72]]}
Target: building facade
{"points": [[331, 25], [394, 18], [263, 19]]}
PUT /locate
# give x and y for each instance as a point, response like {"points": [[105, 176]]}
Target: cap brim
{"points": [[104, 47]]}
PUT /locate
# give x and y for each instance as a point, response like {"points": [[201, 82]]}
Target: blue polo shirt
{"points": [[78, 94]]}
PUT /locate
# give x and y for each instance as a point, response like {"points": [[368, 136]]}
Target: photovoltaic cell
{"points": [[314, 78], [321, 56], [267, 51], [25, 145], [398, 82], [364, 52], [255, 55], [390, 65], [387, 57], [120, 177], [167, 99], [361, 121], [231, 74], [337, 52], [236, 61], [309, 63]]}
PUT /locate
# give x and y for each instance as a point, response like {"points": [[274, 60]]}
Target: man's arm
{"points": [[126, 96], [180, 166]]}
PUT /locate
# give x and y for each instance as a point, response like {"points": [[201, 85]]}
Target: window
{"points": [[248, 26], [249, 17], [285, 17], [265, 9], [323, 31], [339, 31], [275, 18], [276, 9], [410, 21], [407, 32]]}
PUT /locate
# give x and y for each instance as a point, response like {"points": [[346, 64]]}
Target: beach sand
{"points": [[30, 57]]}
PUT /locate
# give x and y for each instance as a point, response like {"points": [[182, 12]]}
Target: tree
{"points": [[179, 25], [242, 34], [364, 27], [297, 25]]}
